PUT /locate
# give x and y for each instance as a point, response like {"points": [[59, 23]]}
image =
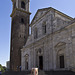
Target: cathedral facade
{"points": [[51, 44]]}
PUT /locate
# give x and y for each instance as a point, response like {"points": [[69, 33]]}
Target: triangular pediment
{"points": [[39, 13]]}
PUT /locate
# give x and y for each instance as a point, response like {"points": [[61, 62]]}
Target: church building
{"points": [[51, 44]]}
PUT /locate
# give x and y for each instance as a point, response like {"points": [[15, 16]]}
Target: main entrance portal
{"points": [[26, 65], [41, 62], [62, 61]]}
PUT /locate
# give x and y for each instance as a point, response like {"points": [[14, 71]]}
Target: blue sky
{"points": [[65, 6]]}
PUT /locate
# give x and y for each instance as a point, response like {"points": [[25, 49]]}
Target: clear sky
{"points": [[65, 6]]}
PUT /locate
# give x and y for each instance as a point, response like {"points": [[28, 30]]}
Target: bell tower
{"points": [[19, 31]]}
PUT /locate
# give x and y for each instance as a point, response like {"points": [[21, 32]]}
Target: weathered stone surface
{"points": [[59, 40], [19, 33]]}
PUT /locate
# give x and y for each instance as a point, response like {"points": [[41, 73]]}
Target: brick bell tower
{"points": [[19, 31]]}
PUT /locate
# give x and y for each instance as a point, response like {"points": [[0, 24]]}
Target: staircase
{"points": [[40, 73]]}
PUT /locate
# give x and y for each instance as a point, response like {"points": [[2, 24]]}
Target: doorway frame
{"points": [[60, 62], [39, 62]]}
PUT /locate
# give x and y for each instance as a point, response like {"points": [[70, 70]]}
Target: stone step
{"points": [[40, 73], [59, 73], [17, 73]]}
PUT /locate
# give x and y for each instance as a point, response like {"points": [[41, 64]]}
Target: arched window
{"points": [[44, 27], [22, 20], [23, 5], [35, 33]]}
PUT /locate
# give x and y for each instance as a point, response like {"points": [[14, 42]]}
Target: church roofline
{"points": [[49, 9]]}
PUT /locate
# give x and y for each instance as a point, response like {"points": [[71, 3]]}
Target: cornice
{"points": [[64, 15], [20, 11]]}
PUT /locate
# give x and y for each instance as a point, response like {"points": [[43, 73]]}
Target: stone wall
{"points": [[57, 41]]}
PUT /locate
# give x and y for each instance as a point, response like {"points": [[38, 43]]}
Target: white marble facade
{"points": [[51, 45]]}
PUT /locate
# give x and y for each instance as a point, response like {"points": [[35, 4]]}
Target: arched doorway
{"points": [[60, 59], [60, 55]]}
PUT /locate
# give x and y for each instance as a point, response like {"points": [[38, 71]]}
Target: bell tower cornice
{"points": [[17, 9]]}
